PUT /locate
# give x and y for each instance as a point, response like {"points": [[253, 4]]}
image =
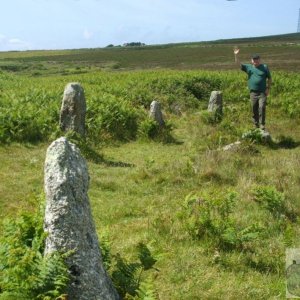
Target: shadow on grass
{"points": [[172, 140], [166, 137], [93, 156], [284, 142], [110, 163]]}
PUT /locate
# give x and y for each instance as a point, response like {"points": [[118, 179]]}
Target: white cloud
{"points": [[7, 44], [87, 34]]}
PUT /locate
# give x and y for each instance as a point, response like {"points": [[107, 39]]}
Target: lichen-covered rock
{"points": [[69, 224], [156, 114], [215, 104], [73, 109], [233, 146]]}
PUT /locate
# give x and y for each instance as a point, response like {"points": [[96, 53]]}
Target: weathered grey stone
{"points": [[156, 114], [266, 136], [73, 109], [215, 104], [232, 147], [69, 224]]}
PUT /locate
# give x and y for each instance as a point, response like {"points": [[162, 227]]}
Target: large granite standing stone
{"points": [[69, 224], [73, 109], [156, 114], [215, 104]]}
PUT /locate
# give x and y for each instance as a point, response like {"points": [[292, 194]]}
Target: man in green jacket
{"points": [[259, 84]]}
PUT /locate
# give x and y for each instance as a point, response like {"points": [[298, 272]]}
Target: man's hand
{"points": [[236, 51]]}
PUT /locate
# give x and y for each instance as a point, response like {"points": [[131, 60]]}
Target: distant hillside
{"points": [[282, 52], [282, 38], [279, 38]]}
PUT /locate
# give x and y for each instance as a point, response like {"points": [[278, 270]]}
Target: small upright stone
{"points": [[73, 109], [156, 114], [215, 104], [69, 223]]}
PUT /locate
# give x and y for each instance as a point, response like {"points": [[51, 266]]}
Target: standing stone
{"points": [[215, 104], [156, 114], [69, 224], [73, 109]]}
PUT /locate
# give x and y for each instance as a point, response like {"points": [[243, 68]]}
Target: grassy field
{"points": [[217, 222]]}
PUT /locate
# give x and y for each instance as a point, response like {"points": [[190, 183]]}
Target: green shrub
{"points": [[29, 107], [286, 89], [257, 136], [105, 247], [25, 272], [211, 118], [201, 86], [275, 202], [150, 129], [212, 219], [270, 199], [31, 117], [146, 291], [111, 118], [14, 67], [127, 276]]}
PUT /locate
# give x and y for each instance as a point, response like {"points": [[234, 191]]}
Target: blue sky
{"points": [[69, 24]]}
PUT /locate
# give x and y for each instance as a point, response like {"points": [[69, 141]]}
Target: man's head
{"points": [[255, 60]]}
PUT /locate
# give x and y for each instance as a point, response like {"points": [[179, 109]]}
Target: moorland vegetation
{"points": [[177, 217]]}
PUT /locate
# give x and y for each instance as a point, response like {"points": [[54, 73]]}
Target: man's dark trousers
{"points": [[258, 101]]}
